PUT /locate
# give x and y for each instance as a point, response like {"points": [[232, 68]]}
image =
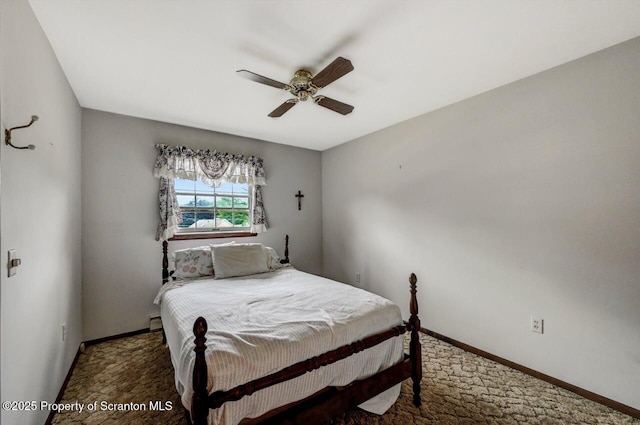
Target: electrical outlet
{"points": [[537, 324], [64, 331], [357, 277]]}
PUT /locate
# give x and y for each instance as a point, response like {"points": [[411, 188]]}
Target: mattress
{"points": [[260, 324]]}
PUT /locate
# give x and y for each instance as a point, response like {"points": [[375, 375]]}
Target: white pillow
{"points": [[193, 262], [239, 260], [220, 244], [273, 261]]}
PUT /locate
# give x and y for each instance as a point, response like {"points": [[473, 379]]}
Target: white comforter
{"points": [[263, 323]]}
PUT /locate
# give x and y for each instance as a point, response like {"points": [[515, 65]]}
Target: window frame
{"points": [[212, 233]]}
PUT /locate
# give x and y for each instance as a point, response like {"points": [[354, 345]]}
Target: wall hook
{"points": [[7, 134]]}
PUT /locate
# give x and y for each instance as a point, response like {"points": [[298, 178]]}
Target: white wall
{"points": [[40, 216], [122, 261], [521, 201]]}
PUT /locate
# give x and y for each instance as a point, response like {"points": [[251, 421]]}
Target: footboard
{"points": [[327, 403]]}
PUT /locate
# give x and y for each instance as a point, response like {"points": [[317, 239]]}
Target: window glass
{"points": [[204, 208]]}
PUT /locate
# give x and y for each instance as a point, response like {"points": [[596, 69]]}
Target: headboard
{"points": [[165, 258]]}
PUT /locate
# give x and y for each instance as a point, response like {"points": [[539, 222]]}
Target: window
{"points": [[207, 209], [230, 210]]}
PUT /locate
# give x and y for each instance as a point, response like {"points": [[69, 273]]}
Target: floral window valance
{"points": [[213, 169]]}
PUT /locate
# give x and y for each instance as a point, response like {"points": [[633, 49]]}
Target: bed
{"points": [[284, 346]]}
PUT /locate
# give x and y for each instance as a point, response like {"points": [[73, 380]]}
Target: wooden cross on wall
{"points": [[299, 195]]}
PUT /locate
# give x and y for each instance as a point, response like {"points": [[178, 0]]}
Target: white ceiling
{"points": [[175, 61]]}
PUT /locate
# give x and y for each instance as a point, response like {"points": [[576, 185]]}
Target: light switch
{"points": [[14, 262]]}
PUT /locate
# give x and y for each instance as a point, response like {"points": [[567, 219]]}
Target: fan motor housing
{"points": [[301, 85]]}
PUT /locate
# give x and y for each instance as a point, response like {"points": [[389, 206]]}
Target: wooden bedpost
{"points": [[165, 276], [200, 399], [165, 262], [415, 351], [285, 260]]}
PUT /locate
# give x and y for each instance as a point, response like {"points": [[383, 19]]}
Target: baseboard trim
{"points": [[623, 408], [63, 387], [109, 338]]}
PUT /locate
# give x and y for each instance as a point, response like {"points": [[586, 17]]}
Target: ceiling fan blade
{"points": [[334, 105], [280, 110], [336, 69], [260, 79]]}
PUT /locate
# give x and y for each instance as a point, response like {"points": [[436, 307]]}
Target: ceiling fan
{"points": [[305, 85]]}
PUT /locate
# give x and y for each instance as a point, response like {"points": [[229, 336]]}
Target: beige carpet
{"points": [[457, 388]]}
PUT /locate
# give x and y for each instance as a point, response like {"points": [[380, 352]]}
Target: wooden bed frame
{"points": [[324, 405]]}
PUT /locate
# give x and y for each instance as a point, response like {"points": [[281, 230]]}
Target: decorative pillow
{"points": [[193, 262], [239, 260]]}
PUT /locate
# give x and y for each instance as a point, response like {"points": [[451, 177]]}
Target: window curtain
{"points": [[211, 168]]}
